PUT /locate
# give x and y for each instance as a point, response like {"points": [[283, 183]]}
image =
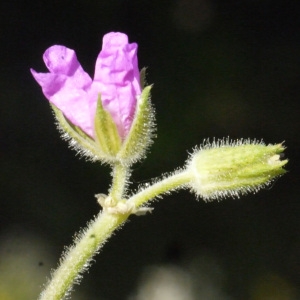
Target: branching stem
{"points": [[77, 259]]}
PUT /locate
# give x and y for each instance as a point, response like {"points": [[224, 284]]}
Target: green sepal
{"points": [[141, 133], [79, 140], [143, 78], [106, 133]]}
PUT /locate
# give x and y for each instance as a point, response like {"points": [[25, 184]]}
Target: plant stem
{"points": [[120, 175], [77, 258], [171, 183]]}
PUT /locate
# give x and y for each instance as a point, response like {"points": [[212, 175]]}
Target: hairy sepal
{"points": [[106, 133], [77, 138], [141, 133]]}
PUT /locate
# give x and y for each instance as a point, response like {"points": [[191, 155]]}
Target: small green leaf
{"points": [[143, 78], [79, 140], [106, 132], [141, 133]]}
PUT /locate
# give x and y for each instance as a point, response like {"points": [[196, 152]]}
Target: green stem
{"points": [[171, 183], [77, 258], [120, 175]]}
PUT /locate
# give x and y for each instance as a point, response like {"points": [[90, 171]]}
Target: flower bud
{"points": [[97, 115], [232, 168]]}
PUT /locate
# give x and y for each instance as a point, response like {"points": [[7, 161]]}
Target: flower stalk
{"points": [[88, 243], [77, 258], [175, 181], [120, 177]]}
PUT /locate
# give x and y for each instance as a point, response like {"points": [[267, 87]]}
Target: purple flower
{"points": [[116, 79]]}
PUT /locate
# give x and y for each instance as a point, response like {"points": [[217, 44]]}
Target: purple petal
{"points": [[117, 78], [66, 86], [50, 83]]}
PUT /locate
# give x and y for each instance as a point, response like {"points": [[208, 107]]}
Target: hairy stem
{"points": [[120, 175], [171, 183], [76, 260]]}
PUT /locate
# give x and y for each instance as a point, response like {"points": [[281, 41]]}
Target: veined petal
{"points": [[76, 108], [62, 60], [67, 85], [49, 82], [118, 80]]}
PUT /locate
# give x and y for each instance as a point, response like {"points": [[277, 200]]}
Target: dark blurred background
{"points": [[219, 68]]}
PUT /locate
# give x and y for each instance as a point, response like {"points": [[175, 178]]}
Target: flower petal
{"points": [[118, 80], [67, 85]]}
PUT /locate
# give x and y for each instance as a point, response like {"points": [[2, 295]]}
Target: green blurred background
{"points": [[219, 68]]}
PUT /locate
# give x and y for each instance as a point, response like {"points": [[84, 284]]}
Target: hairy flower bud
{"points": [[226, 168]]}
